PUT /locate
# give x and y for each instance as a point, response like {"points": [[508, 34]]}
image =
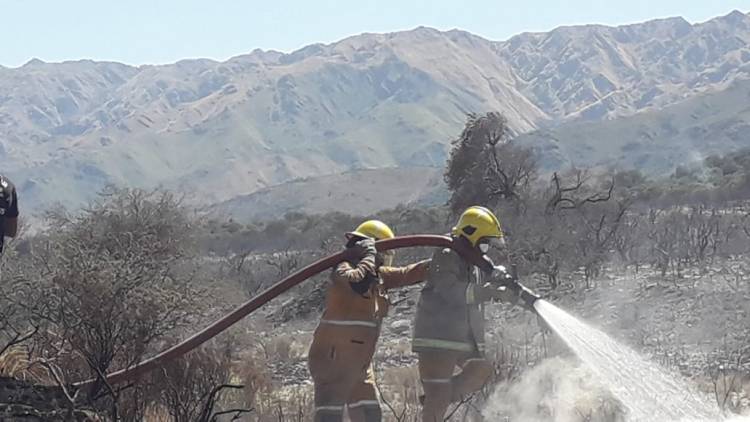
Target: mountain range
{"points": [[372, 105]]}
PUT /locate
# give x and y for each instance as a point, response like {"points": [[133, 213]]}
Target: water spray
{"points": [[648, 392]]}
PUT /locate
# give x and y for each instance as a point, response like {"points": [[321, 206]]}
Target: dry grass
{"points": [[16, 363], [730, 389]]}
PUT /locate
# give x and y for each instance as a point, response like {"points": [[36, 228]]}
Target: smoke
{"points": [[555, 390]]}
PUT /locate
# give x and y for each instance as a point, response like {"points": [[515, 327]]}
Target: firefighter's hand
{"points": [[500, 293], [500, 275], [364, 248]]}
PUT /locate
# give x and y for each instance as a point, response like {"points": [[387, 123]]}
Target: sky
{"points": [[164, 31]]}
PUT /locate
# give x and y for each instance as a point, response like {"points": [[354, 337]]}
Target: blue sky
{"points": [[163, 31]]}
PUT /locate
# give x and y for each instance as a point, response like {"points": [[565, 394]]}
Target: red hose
{"points": [[274, 291]]}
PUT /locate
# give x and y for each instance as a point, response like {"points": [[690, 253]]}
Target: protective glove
{"points": [[501, 275], [366, 246], [501, 293]]}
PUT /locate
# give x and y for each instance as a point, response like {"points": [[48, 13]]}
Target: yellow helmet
{"points": [[476, 223], [373, 229]]}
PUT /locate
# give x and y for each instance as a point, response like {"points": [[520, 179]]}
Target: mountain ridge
{"points": [[230, 128], [734, 14]]}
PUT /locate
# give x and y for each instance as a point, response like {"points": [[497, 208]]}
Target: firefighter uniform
{"points": [[449, 333], [340, 357], [449, 323]]}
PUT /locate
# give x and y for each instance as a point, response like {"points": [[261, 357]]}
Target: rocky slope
{"points": [[359, 192], [219, 130], [653, 141]]}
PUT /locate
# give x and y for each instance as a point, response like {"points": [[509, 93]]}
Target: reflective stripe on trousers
{"points": [[349, 323], [442, 387], [363, 403], [332, 409], [437, 380], [434, 343], [329, 414]]}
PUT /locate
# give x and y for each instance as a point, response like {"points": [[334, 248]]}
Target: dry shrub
{"points": [[190, 388], [97, 291], [110, 281], [253, 372], [484, 166], [728, 381], [16, 362], [280, 349], [293, 404], [732, 392], [399, 389], [269, 399]]}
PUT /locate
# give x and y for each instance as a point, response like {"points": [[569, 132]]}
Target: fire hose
{"points": [[282, 286]]}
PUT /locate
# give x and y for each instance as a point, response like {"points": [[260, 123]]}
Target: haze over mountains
{"points": [[222, 131]]}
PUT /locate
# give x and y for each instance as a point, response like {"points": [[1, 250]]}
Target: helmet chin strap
{"points": [[388, 260]]}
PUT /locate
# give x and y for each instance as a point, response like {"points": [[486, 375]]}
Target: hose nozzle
{"points": [[510, 279], [527, 296]]}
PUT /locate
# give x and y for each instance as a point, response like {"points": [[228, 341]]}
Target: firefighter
{"points": [[449, 323], [344, 342], [8, 210]]}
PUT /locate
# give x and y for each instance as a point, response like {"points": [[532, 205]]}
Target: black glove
{"points": [[364, 247], [501, 275]]}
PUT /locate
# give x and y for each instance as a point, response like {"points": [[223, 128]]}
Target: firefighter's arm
{"points": [[394, 277], [446, 278], [348, 273], [361, 276], [498, 287]]}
